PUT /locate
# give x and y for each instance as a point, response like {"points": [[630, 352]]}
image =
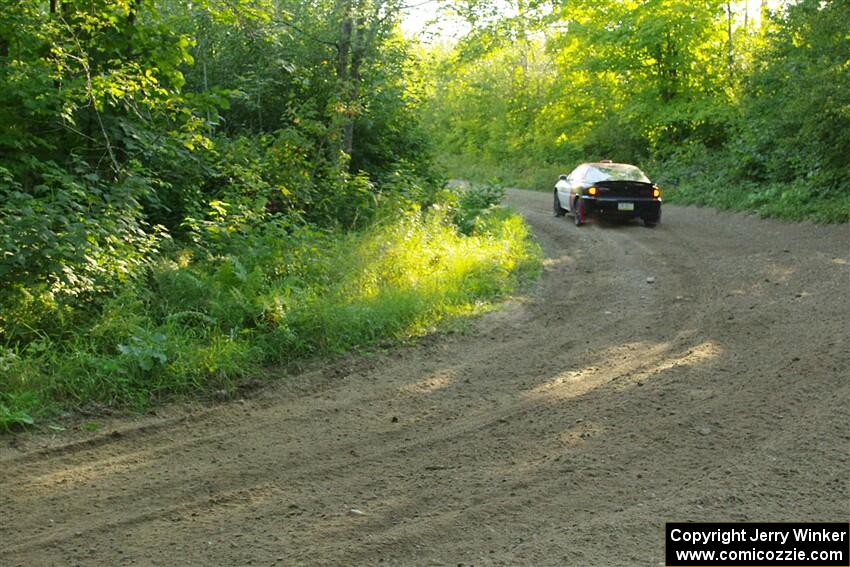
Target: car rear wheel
{"points": [[559, 210], [578, 212], [651, 222]]}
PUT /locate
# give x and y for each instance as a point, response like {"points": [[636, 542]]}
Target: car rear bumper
{"points": [[610, 207]]}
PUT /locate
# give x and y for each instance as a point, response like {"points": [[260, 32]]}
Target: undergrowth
{"points": [[720, 180], [206, 318]]}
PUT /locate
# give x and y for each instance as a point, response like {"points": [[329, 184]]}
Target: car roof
{"points": [[609, 166], [610, 163]]}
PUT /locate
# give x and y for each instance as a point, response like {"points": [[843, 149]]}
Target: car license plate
{"points": [[625, 206]]}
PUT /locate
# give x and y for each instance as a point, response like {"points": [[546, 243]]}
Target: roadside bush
{"points": [[475, 203], [726, 180], [209, 315], [67, 240]]}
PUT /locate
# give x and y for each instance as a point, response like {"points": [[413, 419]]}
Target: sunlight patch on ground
{"points": [[780, 274], [432, 383], [696, 355], [578, 435], [634, 361], [554, 264], [90, 471], [613, 362]]}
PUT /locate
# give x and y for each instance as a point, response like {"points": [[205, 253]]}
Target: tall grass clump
{"points": [[208, 316]]}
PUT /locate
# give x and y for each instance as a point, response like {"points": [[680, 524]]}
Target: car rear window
{"points": [[614, 172]]}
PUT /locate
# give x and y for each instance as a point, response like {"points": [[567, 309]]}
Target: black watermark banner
{"points": [[752, 544]]}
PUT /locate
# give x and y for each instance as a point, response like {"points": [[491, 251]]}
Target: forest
{"points": [[741, 105], [192, 193]]}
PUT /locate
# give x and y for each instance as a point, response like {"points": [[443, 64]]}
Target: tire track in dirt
{"points": [[565, 429]]}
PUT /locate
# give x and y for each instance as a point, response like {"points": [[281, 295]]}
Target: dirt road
{"points": [[565, 430]]}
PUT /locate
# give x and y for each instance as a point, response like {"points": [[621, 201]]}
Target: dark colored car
{"points": [[610, 190]]}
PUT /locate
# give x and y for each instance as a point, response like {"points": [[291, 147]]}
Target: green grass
{"points": [[206, 320]]}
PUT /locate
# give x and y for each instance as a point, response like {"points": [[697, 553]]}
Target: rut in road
{"points": [[563, 431]]}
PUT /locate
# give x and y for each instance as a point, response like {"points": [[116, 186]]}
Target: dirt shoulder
{"points": [[696, 371]]}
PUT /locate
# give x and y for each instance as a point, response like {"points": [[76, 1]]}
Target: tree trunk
{"points": [[360, 23], [343, 75], [730, 47], [134, 9], [360, 41]]}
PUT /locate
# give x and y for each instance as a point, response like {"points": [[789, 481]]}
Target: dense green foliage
{"points": [[209, 317], [725, 111], [189, 191]]}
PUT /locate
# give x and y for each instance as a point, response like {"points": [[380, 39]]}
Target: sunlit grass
{"points": [[405, 278], [209, 322]]}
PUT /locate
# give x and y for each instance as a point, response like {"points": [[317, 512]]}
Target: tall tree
{"points": [[362, 23]]}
